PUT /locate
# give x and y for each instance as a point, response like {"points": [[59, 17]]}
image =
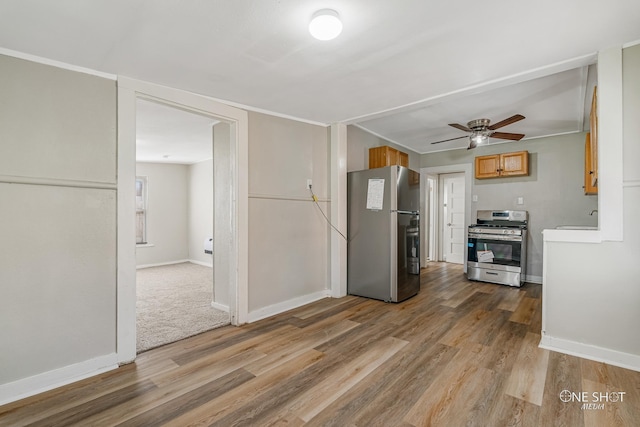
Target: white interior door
{"points": [[453, 215]]}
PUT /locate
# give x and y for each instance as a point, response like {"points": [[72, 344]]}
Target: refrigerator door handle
{"points": [[406, 212]]}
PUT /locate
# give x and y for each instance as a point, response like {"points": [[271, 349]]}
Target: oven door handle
{"points": [[502, 237]]}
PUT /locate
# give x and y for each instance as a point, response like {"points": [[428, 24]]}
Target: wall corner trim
{"points": [[220, 307], [610, 135], [338, 210]]}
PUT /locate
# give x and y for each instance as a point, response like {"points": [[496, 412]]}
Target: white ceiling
{"points": [[166, 134], [401, 69]]}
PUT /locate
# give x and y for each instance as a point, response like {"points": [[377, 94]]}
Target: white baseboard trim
{"points": [[533, 279], [219, 306], [281, 307], [180, 261], [204, 264], [591, 352], [30, 386]]}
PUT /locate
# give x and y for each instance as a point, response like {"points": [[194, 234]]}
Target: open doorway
{"points": [[175, 288], [233, 201], [448, 208]]}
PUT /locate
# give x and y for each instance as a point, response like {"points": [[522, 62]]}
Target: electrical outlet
{"points": [[308, 183]]}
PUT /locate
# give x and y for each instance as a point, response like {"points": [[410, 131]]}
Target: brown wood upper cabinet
{"points": [[506, 164], [380, 157]]}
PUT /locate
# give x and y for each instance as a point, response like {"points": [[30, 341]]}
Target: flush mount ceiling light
{"points": [[325, 25]]}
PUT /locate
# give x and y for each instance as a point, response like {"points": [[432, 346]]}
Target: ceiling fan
{"points": [[481, 131]]}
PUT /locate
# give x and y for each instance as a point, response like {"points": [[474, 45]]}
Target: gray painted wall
{"points": [[553, 193], [58, 245], [288, 245], [200, 221], [167, 213], [180, 212]]}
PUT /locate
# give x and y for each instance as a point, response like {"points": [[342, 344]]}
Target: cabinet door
{"points": [[403, 159], [380, 157], [589, 188], [514, 164], [392, 156], [377, 157], [487, 166], [593, 140]]}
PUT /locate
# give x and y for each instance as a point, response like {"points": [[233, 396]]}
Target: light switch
{"points": [[474, 198], [521, 200]]}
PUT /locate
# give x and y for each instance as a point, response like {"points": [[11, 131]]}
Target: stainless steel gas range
{"points": [[497, 246]]}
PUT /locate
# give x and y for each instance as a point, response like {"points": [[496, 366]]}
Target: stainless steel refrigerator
{"points": [[383, 250]]}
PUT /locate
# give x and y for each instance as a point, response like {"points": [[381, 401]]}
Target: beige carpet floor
{"points": [[174, 302]]}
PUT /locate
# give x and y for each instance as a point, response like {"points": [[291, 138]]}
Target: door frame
{"points": [[467, 169], [128, 91], [430, 218]]}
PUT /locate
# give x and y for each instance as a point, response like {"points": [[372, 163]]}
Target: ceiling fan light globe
{"points": [[478, 138]]}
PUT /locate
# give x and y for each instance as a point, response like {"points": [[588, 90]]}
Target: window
{"points": [[141, 210]]}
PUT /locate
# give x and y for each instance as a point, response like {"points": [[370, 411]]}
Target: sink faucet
{"points": [[593, 211]]}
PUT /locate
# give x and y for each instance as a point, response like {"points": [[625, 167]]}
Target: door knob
{"points": [[449, 224]]}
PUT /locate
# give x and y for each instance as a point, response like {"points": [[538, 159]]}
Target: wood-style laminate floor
{"points": [[459, 353]]}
